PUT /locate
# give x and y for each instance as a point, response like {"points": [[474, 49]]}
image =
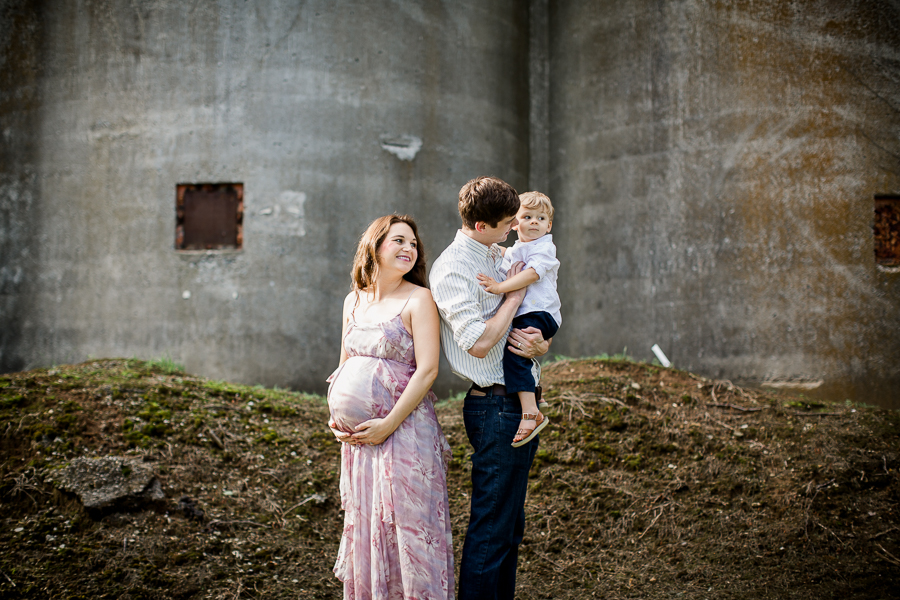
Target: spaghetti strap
{"points": [[355, 304], [407, 300]]}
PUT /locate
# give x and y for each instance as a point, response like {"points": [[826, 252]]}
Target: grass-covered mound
{"points": [[649, 483]]}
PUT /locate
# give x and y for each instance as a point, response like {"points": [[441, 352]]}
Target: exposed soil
{"points": [[649, 483]]}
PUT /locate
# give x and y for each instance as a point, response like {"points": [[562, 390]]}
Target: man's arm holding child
{"points": [[526, 342], [459, 308], [497, 326]]}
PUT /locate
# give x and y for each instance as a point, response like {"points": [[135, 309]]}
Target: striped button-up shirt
{"points": [[464, 307]]}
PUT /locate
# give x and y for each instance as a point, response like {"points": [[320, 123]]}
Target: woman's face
{"points": [[399, 250]]}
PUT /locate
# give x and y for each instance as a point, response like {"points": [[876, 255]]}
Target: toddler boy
{"points": [[541, 306]]}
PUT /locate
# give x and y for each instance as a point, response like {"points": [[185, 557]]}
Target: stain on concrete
{"points": [[285, 216], [404, 147]]}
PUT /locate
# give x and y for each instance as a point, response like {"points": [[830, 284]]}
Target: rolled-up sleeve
{"points": [[541, 263], [455, 294], [542, 259]]}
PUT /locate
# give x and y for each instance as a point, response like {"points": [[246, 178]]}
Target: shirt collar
{"points": [[541, 240], [471, 246]]}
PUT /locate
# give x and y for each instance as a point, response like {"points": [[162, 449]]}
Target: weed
{"points": [[166, 365], [457, 397]]}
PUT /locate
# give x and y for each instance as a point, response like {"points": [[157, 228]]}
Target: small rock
{"points": [[110, 483], [189, 509]]}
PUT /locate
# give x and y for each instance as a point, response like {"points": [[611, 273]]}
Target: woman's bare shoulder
{"points": [[350, 300], [421, 294], [422, 301]]}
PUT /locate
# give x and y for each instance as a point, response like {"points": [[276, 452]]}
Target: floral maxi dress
{"points": [[396, 542]]}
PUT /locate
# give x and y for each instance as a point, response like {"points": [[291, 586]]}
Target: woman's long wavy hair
{"points": [[365, 263]]}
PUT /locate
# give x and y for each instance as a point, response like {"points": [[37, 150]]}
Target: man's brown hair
{"points": [[488, 200]]}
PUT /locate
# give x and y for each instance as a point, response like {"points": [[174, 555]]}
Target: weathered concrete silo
{"points": [[327, 114], [716, 166]]}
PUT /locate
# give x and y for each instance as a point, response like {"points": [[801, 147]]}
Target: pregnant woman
{"points": [[396, 541]]}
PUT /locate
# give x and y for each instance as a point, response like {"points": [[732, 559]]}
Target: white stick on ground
{"points": [[660, 355]]}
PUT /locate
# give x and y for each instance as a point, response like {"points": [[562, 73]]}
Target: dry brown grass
{"points": [[649, 483]]}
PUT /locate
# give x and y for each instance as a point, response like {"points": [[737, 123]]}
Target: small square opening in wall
{"points": [[887, 230], [209, 216]]}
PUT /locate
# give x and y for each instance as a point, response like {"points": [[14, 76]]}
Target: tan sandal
{"points": [[540, 422]]}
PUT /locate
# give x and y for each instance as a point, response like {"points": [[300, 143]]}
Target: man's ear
{"points": [[479, 226]]}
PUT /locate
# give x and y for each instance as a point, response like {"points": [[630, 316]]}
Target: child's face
{"points": [[533, 223]]}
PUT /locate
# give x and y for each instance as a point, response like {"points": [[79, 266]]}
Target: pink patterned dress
{"points": [[396, 542]]}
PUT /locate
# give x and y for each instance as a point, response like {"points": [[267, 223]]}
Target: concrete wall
{"points": [[106, 106], [20, 39], [715, 166]]}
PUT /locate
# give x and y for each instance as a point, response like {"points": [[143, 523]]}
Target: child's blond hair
{"points": [[537, 200]]}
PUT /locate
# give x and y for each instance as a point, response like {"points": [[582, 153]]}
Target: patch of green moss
{"points": [[633, 461], [277, 409], [152, 421], [545, 455], [13, 401], [66, 420], [270, 436], [805, 405]]}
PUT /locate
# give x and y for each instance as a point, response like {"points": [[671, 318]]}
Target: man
{"points": [[475, 327]]}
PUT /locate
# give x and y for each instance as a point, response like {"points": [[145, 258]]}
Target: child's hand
{"points": [[488, 283]]}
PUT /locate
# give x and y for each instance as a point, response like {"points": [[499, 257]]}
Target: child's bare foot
{"points": [[530, 425]]}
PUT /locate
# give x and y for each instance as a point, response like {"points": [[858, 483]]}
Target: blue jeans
{"points": [[499, 482], [516, 369]]}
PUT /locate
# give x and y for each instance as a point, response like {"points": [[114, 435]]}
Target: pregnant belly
{"points": [[355, 395]]}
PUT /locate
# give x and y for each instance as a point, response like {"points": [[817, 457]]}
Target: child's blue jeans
{"points": [[517, 369]]}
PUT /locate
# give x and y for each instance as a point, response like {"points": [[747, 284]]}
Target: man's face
{"points": [[496, 235]]}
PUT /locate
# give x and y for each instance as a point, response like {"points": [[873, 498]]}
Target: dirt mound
{"points": [[649, 483]]}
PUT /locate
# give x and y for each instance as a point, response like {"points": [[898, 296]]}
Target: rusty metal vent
{"points": [[887, 230], [209, 216]]}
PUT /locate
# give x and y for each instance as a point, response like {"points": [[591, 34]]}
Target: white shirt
{"points": [[540, 255], [464, 307]]}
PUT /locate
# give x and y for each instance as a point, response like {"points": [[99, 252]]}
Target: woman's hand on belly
{"points": [[342, 436], [373, 431]]}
